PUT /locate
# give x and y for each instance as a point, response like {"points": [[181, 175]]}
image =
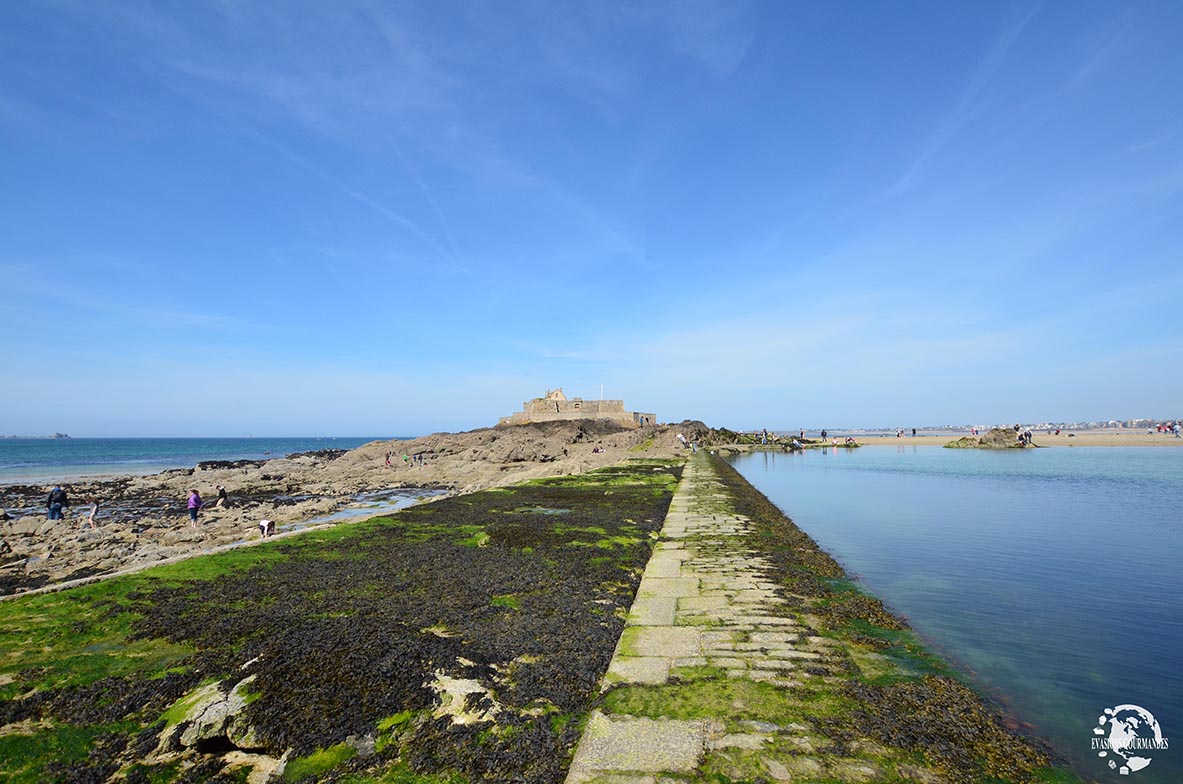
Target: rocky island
{"points": [[997, 438]]}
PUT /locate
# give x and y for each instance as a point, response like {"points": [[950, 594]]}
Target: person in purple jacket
{"points": [[194, 505]]}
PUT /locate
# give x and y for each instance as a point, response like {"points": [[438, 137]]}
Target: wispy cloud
{"points": [[113, 307], [970, 103]]}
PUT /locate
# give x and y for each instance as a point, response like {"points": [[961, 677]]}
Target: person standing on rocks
{"points": [[94, 510], [57, 502], [221, 502], [194, 507]]}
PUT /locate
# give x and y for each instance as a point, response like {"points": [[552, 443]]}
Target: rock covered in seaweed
{"points": [[997, 438]]}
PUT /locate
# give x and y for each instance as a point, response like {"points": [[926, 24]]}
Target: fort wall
{"points": [[555, 406]]}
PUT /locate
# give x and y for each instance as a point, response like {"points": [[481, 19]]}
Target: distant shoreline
{"points": [[40, 461], [1066, 438]]}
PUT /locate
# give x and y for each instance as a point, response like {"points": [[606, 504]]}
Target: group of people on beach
{"points": [[414, 460], [1166, 428], [58, 502]]}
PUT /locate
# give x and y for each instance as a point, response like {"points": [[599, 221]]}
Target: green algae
{"points": [[644, 446], [76, 638], [890, 654], [26, 756], [400, 773], [734, 699], [508, 601], [177, 712], [318, 762]]}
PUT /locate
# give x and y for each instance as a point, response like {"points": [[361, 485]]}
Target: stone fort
{"points": [[555, 405]]}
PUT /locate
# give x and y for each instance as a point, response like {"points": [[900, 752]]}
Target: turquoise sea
{"points": [[1051, 576], [40, 460]]}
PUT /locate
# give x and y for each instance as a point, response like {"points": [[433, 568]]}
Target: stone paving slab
{"points": [[636, 746], [638, 669], [667, 641], [664, 567], [652, 611], [662, 586]]}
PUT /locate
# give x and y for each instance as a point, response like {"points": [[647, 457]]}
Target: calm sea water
{"points": [[1053, 576], [50, 460]]}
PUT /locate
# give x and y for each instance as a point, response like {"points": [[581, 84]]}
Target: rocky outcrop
{"points": [[997, 438]]}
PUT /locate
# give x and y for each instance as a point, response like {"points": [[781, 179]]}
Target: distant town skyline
{"points": [[300, 218]]}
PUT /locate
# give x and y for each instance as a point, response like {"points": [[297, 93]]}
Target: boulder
{"points": [[213, 721]]}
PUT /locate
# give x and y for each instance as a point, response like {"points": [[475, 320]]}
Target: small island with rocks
{"points": [[997, 438]]}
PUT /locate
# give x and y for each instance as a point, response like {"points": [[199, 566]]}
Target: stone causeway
{"points": [[706, 604]]}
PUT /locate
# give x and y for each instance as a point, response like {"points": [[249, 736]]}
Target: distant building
{"points": [[554, 405]]}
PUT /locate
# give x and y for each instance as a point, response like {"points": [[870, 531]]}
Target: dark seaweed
{"points": [[350, 630]]}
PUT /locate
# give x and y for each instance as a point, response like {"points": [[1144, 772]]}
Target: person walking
{"points": [[57, 502], [194, 507]]}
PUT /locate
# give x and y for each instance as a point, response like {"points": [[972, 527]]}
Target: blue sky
{"points": [[395, 218]]}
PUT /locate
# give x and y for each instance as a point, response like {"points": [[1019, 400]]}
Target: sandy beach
{"points": [[1065, 438]]}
